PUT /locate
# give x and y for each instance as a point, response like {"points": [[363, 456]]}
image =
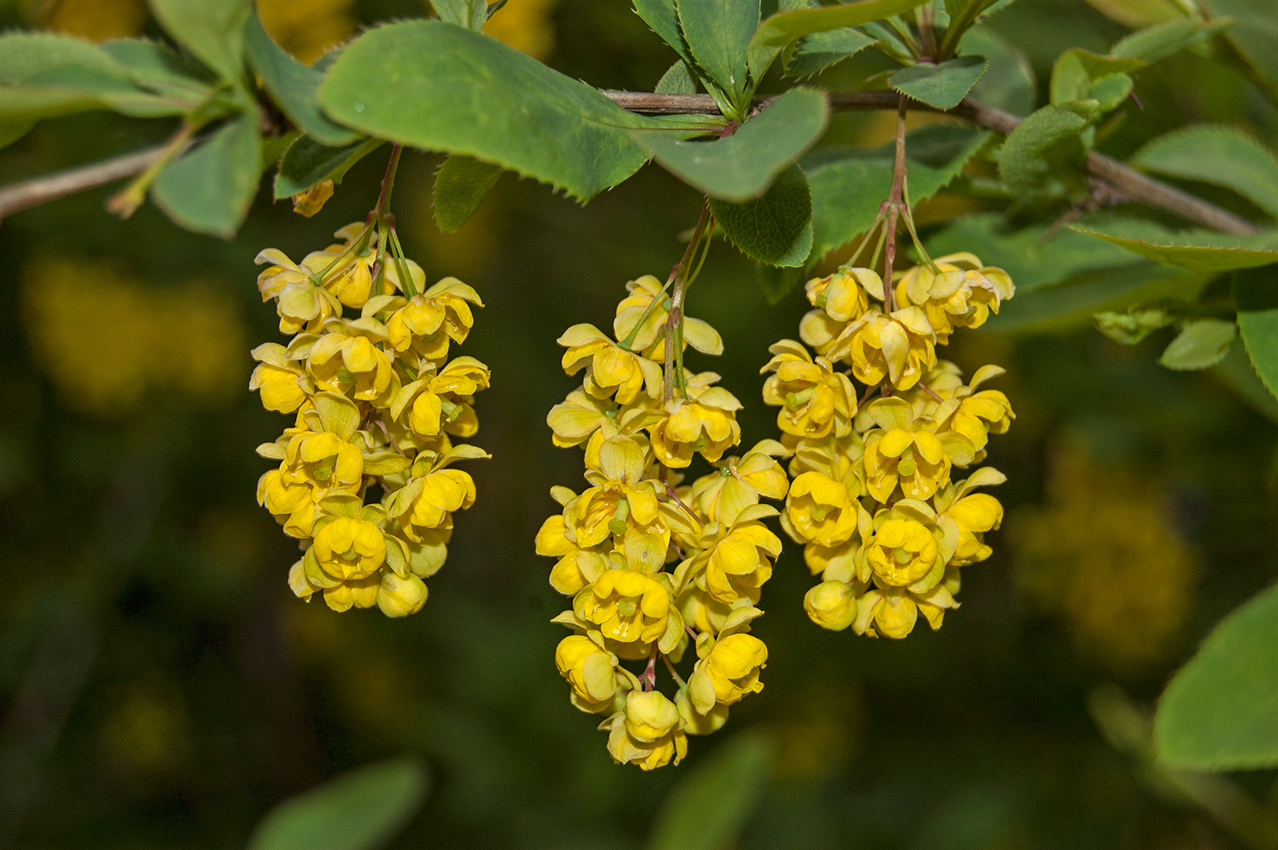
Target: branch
{"points": [[1126, 183]]}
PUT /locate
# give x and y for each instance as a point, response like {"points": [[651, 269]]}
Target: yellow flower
{"points": [[975, 515], [302, 304], [610, 369], [915, 459], [428, 502], [705, 422], [349, 548], [831, 605], [738, 564], [348, 275], [629, 609], [443, 401], [814, 399], [893, 611], [283, 384], [590, 670], [649, 732], [960, 293], [898, 347], [842, 295], [903, 552], [576, 567], [349, 364], [732, 670], [722, 495], [315, 465], [820, 510], [975, 415], [700, 335], [430, 320], [621, 503], [353, 593], [581, 417], [399, 596]]}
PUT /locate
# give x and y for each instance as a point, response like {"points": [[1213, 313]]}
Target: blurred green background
{"points": [[161, 687]]}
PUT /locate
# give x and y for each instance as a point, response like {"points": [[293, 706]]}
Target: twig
{"points": [[1127, 183]]}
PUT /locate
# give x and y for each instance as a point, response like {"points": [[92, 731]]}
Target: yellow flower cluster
{"points": [[874, 499], [107, 339], [1104, 557], [377, 403], [653, 566]]}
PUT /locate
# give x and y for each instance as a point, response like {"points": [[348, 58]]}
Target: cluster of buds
{"points": [[875, 499], [378, 404], [653, 566]]}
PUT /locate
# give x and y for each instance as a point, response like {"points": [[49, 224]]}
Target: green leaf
{"points": [[307, 162], [1201, 343], [360, 810], [293, 86], [1134, 14], [155, 67], [718, 33], [211, 29], [1077, 72], [1046, 149], [1255, 34], [1165, 39], [849, 186], [943, 86], [706, 809], [677, 79], [1218, 712], [1221, 156], [459, 91], [775, 229], [1032, 256], [1256, 296], [461, 184], [741, 166], [1237, 371], [662, 18], [471, 14], [11, 131], [1207, 252], [210, 188], [1071, 303], [784, 27], [814, 53], [1009, 83]]}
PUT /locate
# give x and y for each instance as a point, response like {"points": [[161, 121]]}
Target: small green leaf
{"points": [[814, 53], [1201, 343], [741, 166], [1221, 156], [1256, 296], [1043, 153], [471, 14], [1255, 35], [211, 29], [11, 131], [783, 28], [678, 79], [775, 229], [1218, 712], [662, 18], [461, 184], [210, 188], [1207, 252], [1237, 371], [849, 186], [360, 810], [293, 86], [943, 86], [156, 67], [25, 54], [473, 95], [1165, 39], [777, 281], [1076, 73], [1009, 82], [718, 32], [706, 809], [307, 162]]}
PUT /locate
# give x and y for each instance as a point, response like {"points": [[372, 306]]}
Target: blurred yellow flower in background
{"points": [[307, 28], [1103, 557], [106, 339], [96, 20], [525, 25]]}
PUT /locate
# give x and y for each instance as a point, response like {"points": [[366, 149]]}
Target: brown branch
{"points": [[1127, 183]]}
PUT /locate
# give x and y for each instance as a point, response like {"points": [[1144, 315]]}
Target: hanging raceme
{"points": [[875, 498], [654, 566], [365, 482]]}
